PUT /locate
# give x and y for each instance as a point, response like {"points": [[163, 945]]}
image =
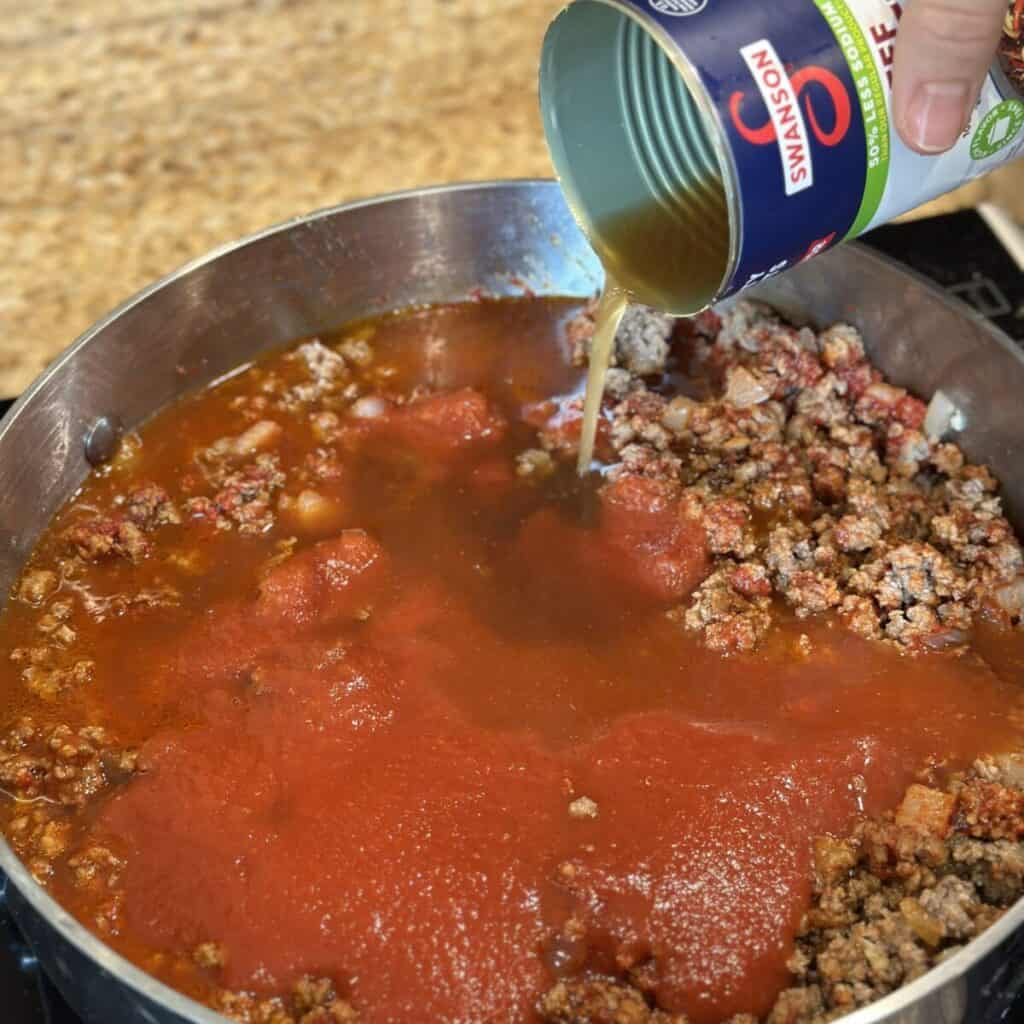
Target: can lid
{"points": [[636, 152]]}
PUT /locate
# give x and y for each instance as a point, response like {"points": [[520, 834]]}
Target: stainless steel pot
{"points": [[438, 245]]}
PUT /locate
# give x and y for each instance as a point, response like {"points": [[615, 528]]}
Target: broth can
{"points": [[705, 145]]}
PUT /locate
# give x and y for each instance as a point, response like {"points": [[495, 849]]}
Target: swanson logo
{"points": [[679, 8]]}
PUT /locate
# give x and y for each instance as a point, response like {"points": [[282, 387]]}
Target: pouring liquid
{"points": [[670, 258], [610, 310]]}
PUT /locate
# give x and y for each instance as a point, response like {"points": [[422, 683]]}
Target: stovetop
{"points": [[968, 254], [26, 993], [964, 253]]}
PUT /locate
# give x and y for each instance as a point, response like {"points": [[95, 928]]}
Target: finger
{"points": [[943, 52]]}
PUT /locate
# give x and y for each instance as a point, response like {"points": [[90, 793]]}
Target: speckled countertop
{"points": [[136, 135]]}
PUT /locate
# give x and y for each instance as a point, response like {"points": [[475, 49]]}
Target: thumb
{"points": [[943, 51]]}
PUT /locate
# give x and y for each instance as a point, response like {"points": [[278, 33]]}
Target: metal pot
{"points": [[439, 245]]}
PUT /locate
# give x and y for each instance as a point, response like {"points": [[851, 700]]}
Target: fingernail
{"points": [[936, 115]]}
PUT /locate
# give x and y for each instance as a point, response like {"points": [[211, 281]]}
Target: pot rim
{"points": [[148, 986]]}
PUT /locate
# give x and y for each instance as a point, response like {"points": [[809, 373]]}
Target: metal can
{"points": [[705, 145]]}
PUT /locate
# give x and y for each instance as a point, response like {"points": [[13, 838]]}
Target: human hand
{"points": [[943, 51]]}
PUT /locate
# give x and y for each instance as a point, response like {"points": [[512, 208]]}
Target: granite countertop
{"points": [[139, 135]]}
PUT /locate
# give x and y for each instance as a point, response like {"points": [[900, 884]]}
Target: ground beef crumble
{"points": [[37, 585], [105, 536], [52, 771], [244, 499], [39, 835], [49, 672], [641, 344], [905, 891], [97, 870], [601, 1001], [62, 765], [315, 377], [803, 460], [311, 1001], [149, 507], [893, 899], [731, 608], [329, 375], [123, 532]]}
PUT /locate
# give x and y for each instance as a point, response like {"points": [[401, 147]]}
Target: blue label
{"points": [[785, 96]]}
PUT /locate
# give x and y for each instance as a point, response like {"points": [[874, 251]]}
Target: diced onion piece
{"points": [[926, 809], [370, 407], [942, 416], [743, 390], [324, 426], [1011, 597], [312, 512], [676, 416], [357, 351], [834, 859], [259, 437], [944, 639], [927, 928]]}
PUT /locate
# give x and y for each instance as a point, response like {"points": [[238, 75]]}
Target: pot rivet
{"points": [[102, 440]]}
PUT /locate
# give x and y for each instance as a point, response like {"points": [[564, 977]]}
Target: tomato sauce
{"points": [[362, 761]]}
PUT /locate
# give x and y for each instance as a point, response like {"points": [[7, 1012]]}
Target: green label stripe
{"points": [[872, 96]]}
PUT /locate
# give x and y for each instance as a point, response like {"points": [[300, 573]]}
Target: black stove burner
{"points": [[26, 993], [959, 252]]}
